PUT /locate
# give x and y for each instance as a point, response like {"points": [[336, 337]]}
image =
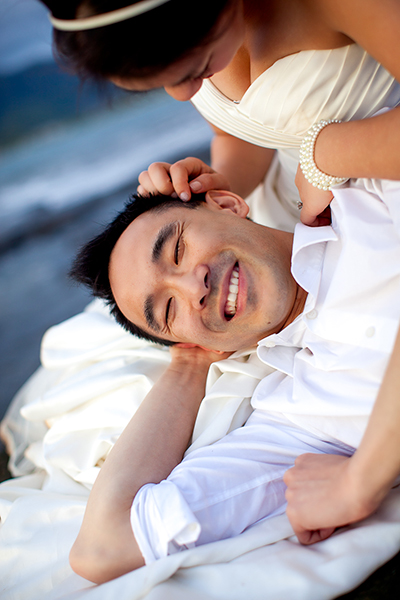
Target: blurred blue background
{"points": [[70, 155]]}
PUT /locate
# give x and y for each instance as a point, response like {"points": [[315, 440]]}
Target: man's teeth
{"points": [[231, 302]]}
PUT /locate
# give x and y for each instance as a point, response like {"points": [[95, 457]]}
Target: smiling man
{"points": [[323, 307], [205, 276]]}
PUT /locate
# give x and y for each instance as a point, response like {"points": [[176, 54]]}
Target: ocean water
{"points": [[25, 35], [74, 163], [63, 144]]}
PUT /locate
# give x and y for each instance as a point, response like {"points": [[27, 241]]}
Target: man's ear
{"points": [[227, 201]]}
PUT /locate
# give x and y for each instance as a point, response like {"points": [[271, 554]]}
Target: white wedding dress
{"points": [[285, 101]]}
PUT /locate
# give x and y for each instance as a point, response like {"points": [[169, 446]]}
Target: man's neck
{"points": [[298, 306], [285, 240]]}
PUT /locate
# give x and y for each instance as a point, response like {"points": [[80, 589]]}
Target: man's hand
{"points": [[315, 211], [191, 355], [181, 179], [322, 495]]}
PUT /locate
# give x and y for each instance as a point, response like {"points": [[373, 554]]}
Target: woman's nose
{"points": [[184, 91]]}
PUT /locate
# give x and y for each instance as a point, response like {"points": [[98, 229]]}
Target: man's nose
{"points": [[195, 286]]}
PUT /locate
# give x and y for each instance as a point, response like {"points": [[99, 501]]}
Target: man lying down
{"points": [[323, 307]]}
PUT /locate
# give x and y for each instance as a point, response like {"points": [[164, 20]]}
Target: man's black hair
{"points": [[91, 264]]}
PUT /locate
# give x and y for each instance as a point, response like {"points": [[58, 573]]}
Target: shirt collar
{"points": [[307, 260]]}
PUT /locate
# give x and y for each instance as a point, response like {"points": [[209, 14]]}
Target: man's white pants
{"points": [[218, 491]]}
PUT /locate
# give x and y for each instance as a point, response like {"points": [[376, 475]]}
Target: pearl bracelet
{"points": [[317, 178]]}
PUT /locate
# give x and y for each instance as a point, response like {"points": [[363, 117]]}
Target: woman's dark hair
{"points": [[90, 266], [138, 47]]}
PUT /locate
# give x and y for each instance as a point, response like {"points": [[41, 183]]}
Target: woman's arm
{"points": [[369, 147], [151, 445], [328, 491], [366, 148], [243, 164]]}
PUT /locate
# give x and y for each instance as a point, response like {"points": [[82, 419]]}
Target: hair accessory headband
{"points": [[109, 18]]}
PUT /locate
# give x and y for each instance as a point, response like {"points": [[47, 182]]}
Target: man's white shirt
{"points": [[330, 361]]}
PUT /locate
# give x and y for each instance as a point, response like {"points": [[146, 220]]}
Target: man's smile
{"points": [[231, 294]]}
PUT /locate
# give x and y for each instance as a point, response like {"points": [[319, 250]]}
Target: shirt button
{"points": [[370, 332], [269, 344], [313, 314]]}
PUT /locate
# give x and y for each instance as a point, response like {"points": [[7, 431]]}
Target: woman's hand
{"points": [[181, 179], [323, 494], [328, 491], [315, 211]]}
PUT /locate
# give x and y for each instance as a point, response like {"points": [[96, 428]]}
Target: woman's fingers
{"points": [[209, 181], [158, 178], [181, 179]]}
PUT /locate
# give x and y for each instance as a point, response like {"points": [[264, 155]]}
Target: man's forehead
{"points": [[150, 223], [145, 238], [163, 217]]}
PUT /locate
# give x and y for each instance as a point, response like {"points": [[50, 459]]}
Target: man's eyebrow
{"points": [[149, 314], [162, 238]]}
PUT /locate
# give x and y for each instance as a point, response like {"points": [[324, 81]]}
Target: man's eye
{"points": [[178, 249], [167, 311]]}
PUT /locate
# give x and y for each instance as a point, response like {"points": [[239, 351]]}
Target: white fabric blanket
{"points": [[60, 428]]}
